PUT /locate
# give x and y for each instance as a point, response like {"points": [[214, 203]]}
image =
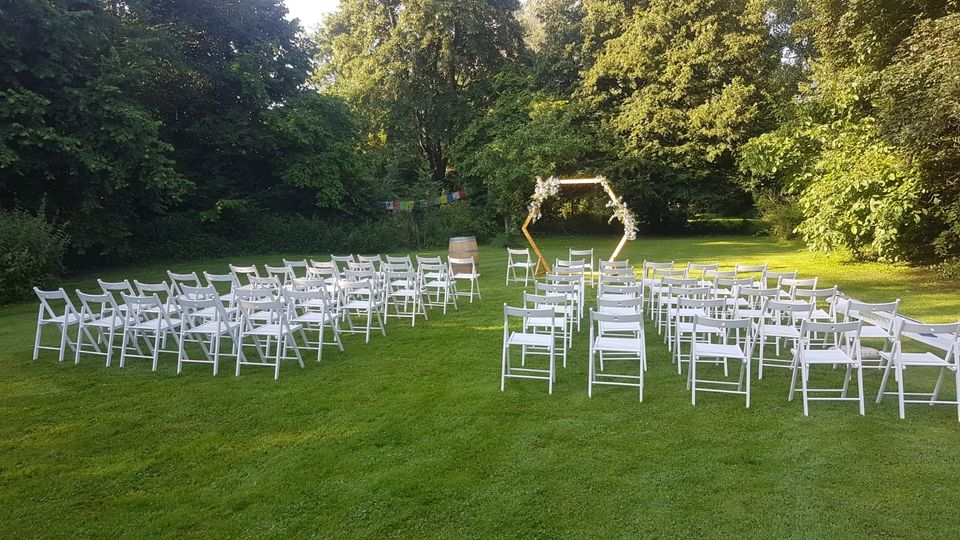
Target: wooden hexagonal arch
{"points": [[550, 187]]}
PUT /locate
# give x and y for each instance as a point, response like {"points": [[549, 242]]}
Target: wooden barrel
{"points": [[463, 247]]}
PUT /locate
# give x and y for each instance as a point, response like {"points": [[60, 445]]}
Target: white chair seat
{"points": [[616, 297], [315, 317], [155, 325], [871, 331], [924, 359], [544, 322], [616, 344], [271, 330], [68, 319], [466, 276], [212, 328], [718, 350], [781, 330], [827, 356], [684, 327], [106, 322], [620, 327], [526, 338], [686, 312], [751, 313]]}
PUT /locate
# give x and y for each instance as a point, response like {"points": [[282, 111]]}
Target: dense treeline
{"points": [[149, 128]]}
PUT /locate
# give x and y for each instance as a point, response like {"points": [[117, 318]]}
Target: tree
{"points": [[73, 137], [525, 133], [407, 65], [678, 92], [919, 111]]}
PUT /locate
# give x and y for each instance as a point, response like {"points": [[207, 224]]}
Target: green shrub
{"points": [[783, 216], [31, 254], [950, 269]]}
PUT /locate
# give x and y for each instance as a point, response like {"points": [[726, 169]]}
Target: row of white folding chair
{"points": [[616, 335], [520, 261], [817, 344], [201, 316]]}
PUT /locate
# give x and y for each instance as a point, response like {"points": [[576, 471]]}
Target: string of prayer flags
{"points": [[443, 199]]}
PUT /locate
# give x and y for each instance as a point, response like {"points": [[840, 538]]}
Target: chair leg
{"points": [[803, 381], [860, 390], [63, 342], [591, 371], [504, 362], [900, 397], [747, 362], [883, 381], [36, 341]]}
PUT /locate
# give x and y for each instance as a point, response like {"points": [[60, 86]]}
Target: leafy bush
{"points": [[950, 269], [782, 216], [31, 254]]}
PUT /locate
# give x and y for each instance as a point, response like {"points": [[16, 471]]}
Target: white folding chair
{"points": [[205, 322], [878, 321], [177, 280], [618, 347], [404, 296], [675, 277], [712, 345], [283, 274], [310, 307], [667, 293], [466, 270], [297, 267], [362, 299], [147, 319], [403, 260], [898, 360], [790, 286], [438, 287], [750, 271], [812, 350], [575, 280], [273, 338], [518, 259], [225, 284], [568, 308], [603, 265], [776, 277], [620, 292], [559, 322], [822, 302], [586, 255], [684, 316], [243, 273], [341, 261], [100, 321], [725, 287], [57, 310], [699, 271], [780, 322], [542, 338], [632, 330], [162, 290]]}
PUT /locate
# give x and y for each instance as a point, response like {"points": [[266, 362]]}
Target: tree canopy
{"points": [[836, 121]]}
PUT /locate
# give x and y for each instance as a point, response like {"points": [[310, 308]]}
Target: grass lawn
{"points": [[409, 436]]}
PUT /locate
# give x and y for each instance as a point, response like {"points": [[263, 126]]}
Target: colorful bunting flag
{"points": [[443, 199]]}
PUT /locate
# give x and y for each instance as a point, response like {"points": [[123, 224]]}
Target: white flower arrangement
{"points": [[544, 190]]}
